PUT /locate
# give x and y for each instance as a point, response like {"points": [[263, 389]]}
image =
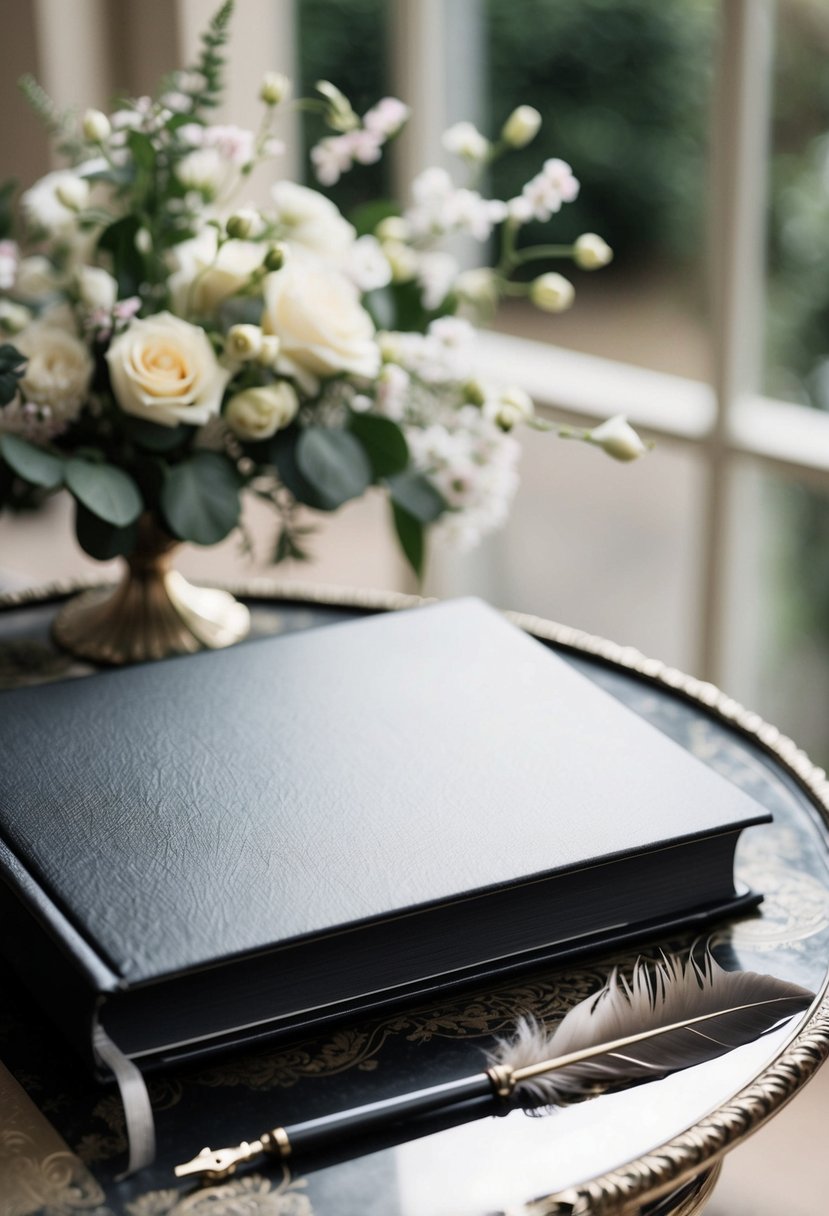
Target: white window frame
{"points": [[725, 421]]}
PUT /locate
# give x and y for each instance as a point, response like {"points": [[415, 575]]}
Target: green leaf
{"points": [[334, 463], [152, 436], [34, 465], [415, 494], [200, 498], [384, 443], [106, 491], [12, 364], [367, 216], [379, 304], [143, 152], [7, 192], [127, 263], [282, 454], [410, 533], [101, 540], [240, 310]]}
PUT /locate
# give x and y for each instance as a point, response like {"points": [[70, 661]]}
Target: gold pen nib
{"points": [[217, 1163]]}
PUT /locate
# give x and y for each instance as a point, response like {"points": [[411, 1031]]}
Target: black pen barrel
{"points": [[314, 1135]]}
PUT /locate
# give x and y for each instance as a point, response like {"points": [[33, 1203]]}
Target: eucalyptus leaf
{"points": [[384, 443], [282, 454], [417, 495], [12, 364], [101, 540], [106, 491], [334, 463], [152, 436], [200, 498], [128, 264], [31, 463], [411, 535]]}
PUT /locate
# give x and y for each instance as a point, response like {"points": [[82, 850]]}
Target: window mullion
{"points": [[740, 134]]}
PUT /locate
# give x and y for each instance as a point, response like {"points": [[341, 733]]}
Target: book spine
{"points": [[50, 957]]}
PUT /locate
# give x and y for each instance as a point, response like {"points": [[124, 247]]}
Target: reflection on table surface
{"points": [[493, 1164]]}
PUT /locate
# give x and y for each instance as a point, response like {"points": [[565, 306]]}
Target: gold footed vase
{"points": [[152, 613]]}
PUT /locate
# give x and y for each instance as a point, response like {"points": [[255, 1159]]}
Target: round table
{"points": [[653, 1149]]}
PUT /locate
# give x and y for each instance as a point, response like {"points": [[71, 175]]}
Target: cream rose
{"points": [[321, 325], [58, 373], [203, 279], [164, 369], [258, 413], [312, 221]]}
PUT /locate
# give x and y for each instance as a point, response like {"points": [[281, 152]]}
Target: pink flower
{"points": [[331, 158], [364, 145]]}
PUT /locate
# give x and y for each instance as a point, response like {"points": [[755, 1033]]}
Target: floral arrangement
{"points": [[167, 346]]}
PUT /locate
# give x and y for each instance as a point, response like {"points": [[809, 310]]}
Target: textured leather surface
{"points": [[203, 807]]}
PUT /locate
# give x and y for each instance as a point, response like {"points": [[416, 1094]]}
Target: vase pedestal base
{"points": [[151, 614]]}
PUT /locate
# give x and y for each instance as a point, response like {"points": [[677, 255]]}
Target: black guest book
{"points": [[204, 851]]}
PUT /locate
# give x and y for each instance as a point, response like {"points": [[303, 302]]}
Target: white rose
{"points": [[311, 220], [321, 325], [97, 288], [258, 413], [203, 279], [164, 369], [59, 370]]}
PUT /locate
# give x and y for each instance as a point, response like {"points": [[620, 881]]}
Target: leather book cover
{"points": [[172, 817]]}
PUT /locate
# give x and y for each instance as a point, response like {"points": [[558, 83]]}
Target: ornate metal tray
{"points": [[653, 1149]]}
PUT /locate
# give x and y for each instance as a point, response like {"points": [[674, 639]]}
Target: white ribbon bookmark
{"points": [[138, 1113]]}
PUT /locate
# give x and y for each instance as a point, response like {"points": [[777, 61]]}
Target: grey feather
{"points": [[745, 1006]]}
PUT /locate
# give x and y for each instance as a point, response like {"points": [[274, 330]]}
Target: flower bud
{"points": [[478, 286], [464, 139], [97, 288], [340, 114], [393, 228], [552, 292], [96, 126], [618, 439], [268, 351], [13, 317], [72, 192], [243, 342], [258, 413], [402, 259], [274, 258], [244, 224], [511, 406], [143, 240], [474, 393], [521, 127], [275, 87], [590, 252]]}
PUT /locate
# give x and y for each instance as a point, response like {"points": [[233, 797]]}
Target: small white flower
{"points": [[331, 157], [478, 286], [96, 126], [236, 145], [177, 102], [521, 127], [275, 87], [402, 260], [387, 117], [393, 387], [258, 413], [42, 206], [36, 278], [366, 264], [590, 252], [143, 240], [203, 170], [436, 273], [464, 139], [552, 292], [618, 439], [243, 342]]}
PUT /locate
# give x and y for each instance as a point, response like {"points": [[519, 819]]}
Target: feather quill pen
{"points": [[667, 1016]]}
